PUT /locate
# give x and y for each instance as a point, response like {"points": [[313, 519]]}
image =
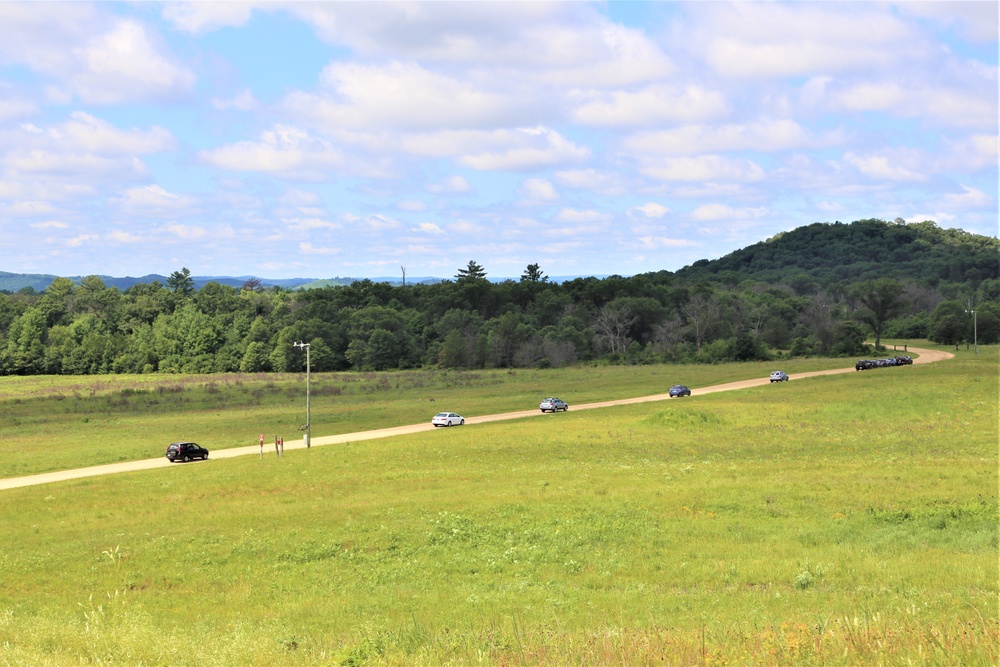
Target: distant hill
{"points": [[825, 253], [15, 282]]}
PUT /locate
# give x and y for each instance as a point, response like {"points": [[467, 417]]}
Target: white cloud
{"points": [[537, 190], [188, 232], [703, 168], [49, 224], [202, 17], [576, 216], [450, 185], [537, 148], [412, 205], [124, 64], [764, 136], [655, 104], [649, 210], [285, 150], [798, 39], [663, 242], [724, 212], [244, 101], [564, 43], [309, 249], [429, 228], [969, 198], [601, 182], [401, 96], [152, 200], [900, 165]]}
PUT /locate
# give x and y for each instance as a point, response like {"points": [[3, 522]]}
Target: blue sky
{"points": [[354, 139]]}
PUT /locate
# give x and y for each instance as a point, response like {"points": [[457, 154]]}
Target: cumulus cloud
{"points": [[451, 185], [649, 210], [531, 148], [764, 136], [798, 39], [703, 168], [537, 190], [285, 150], [243, 101], [309, 249], [724, 212], [152, 200], [401, 96], [654, 104], [429, 228], [968, 198], [898, 165], [202, 17]]}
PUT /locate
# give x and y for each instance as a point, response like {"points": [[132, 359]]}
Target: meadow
{"points": [[839, 520], [58, 422]]}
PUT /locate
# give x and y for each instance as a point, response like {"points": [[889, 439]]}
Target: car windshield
{"points": [[440, 414]]}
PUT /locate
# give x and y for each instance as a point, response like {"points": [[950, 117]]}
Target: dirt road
{"points": [[925, 357]]}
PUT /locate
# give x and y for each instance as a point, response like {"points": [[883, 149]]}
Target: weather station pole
{"points": [[308, 423]]}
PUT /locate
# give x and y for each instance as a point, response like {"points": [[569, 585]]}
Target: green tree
{"points": [[533, 274], [882, 300], [949, 323], [181, 283], [471, 273], [25, 351]]}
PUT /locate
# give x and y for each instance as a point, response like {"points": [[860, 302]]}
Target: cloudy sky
{"points": [[352, 139]]}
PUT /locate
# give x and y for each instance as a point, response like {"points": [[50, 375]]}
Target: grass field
{"points": [[840, 520], [56, 423]]}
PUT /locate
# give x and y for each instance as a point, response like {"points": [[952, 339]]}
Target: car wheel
{"points": [[461, 423], [186, 458], [565, 408]]}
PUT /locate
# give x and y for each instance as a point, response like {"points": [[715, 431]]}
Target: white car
{"points": [[447, 419], [779, 376]]}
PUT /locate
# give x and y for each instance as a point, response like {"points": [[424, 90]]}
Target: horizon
{"points": [[365, 138]]}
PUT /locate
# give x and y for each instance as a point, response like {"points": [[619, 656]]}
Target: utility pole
{"points": [[308, 420], [975, 327]]}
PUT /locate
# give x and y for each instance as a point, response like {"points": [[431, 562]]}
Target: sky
{"points": [[370, 139]]}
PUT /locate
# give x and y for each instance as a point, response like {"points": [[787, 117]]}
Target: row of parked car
{"points": [[868, 364]]}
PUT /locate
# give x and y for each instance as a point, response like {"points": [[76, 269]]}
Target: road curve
{"points": [[925, 357]]}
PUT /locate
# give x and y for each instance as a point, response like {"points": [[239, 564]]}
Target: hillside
{"points": [[863, 250]]}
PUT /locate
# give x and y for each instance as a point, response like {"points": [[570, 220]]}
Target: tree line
{"points": [[87, 327]]}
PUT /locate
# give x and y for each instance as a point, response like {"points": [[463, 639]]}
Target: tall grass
{"points": [[839, 520]]}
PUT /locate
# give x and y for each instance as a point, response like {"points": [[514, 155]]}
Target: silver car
{"points": [[553, 405], [779, 376]]}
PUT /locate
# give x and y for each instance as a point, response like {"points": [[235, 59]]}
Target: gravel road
{"points": [[925, 357]]}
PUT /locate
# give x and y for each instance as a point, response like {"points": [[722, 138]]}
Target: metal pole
{"points": [[308, 420], [308, 429], [975, 329]]}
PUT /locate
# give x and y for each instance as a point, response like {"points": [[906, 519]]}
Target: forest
{"points": [[822, 289]]}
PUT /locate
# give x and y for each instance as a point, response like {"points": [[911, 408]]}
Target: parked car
{"points": [[185, 451], [679, 390], [553, 405], [447, 419], [904, 360], [779, 376]]}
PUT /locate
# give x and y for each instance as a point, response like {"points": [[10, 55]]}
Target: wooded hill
{"points": [[820, 289], [864, 250]]}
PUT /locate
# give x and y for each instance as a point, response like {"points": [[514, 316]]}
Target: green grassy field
{"points": [[841, 520], [56, 423]]}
